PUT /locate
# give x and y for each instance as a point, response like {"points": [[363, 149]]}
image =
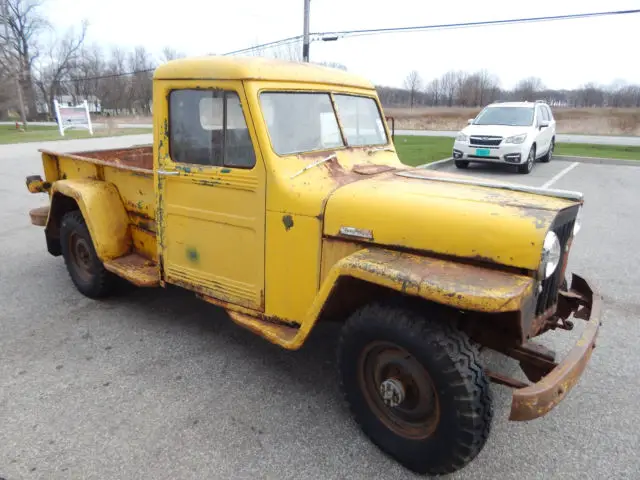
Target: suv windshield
{"points": [[305, 121], [514, 116]]}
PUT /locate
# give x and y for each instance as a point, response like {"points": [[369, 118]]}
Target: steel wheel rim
{"points": [[80, 255], [417, 416]]}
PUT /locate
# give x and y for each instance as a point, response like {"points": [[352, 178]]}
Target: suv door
{"points": [[543, 133]]}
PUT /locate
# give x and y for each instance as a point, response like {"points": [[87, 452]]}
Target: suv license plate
{"points": [[483, 152]]}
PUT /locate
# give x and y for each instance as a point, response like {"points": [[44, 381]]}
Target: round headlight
{"points": [[551, 253]]}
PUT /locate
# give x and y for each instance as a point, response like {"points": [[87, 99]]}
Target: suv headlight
{"points": [[516, 139], [551, 253], [461, 137]]}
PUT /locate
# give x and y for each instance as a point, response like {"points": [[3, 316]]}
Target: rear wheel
{"points": [[416, 388], [528, 165], [462, 164], [549, 154], [85, 268]]}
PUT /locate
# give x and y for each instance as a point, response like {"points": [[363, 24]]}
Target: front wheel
{"points": [[416, 387], [528, 165], [461, 164]]}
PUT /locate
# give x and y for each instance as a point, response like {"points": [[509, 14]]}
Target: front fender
{"points": [[103, 212], [457, 285]]}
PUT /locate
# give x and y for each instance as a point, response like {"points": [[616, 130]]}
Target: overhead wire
{"points": [[380, 31]]}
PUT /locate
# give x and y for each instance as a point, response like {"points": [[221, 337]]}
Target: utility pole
{"points": [[5, 16], [305, 40]]}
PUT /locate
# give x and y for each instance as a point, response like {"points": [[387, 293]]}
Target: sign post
{"points": [[70, 117]]}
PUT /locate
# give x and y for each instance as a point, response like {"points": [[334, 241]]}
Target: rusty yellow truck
{"points": [[274, 191]]}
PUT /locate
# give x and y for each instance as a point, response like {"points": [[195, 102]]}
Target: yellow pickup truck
{"points": [[274, 190]]}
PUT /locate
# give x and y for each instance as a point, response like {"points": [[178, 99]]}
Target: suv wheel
{"points": [[462, 163], [528, 165], [549, 154], [415, 386]]}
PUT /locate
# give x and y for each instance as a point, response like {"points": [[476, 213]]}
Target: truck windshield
{"points": [[512, 116], [304, 121]]}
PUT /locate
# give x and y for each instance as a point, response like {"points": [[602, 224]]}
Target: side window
{"points": [[549, 114], [545, 113], [207, 127]]}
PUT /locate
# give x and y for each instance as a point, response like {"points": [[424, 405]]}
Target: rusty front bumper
{"points": [[539, 398]]}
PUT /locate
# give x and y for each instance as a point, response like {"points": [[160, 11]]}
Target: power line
{"points": [[275, 43], [376, 31], [334, 35]]}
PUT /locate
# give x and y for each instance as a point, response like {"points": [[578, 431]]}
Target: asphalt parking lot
{"points": [[156, 384]]}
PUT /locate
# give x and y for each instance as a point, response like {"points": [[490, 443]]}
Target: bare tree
{"points": [[434, 91], [413, 83], [170, 53], [141, 89], [113, 89], [86, 72], [23, 22], [528, 88], [60, 60], [448, 87]]}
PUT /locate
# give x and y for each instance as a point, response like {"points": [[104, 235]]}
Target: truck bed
{"points": [[130, 170]]}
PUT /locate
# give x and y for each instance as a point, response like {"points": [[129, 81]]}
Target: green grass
{"points": [[415, 150], [600, 151], [9, 134]]}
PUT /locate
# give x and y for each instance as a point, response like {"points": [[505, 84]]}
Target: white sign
{"points": [[70, 117]]}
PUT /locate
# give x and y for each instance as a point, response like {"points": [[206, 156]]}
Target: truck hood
{"points": [[446, 214]]}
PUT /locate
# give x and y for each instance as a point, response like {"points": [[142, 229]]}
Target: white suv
{"points": [[516, 133]]}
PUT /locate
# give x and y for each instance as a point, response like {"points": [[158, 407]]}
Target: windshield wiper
{"points": [[379, 149], [315, 164]]}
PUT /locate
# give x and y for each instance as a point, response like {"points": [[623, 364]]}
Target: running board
{"points": [[135, 268], [277, 333]]}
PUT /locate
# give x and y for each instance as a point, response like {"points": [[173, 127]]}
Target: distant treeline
{"points": [[464, 89]]}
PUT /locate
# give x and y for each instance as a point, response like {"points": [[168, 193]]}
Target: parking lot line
{"points": [[559, 175]]}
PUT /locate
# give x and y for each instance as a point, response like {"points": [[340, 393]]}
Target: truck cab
{"points": [[273, 190]]}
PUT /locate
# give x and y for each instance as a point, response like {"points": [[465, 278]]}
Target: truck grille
{"points": [[550, 286], [485, 140]]}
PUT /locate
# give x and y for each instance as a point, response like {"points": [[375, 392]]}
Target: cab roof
{"points": [[256, 68]]}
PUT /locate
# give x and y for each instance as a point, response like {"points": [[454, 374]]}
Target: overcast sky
{"points": [[565, 54]]}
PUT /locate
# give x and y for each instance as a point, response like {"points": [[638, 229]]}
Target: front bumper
{"points": [[503, 153], [539, 398]]}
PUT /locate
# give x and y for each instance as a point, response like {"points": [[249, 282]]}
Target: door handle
{"points": [[168, 173]]}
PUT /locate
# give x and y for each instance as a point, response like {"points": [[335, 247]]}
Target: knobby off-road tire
{"points": [[85, 268], [444, 417]]}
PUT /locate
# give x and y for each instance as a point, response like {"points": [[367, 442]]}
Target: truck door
{"points": [[211, 192]]}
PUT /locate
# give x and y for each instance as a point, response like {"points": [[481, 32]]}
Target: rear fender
{"points": [[102, 209], [456, 285]]}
